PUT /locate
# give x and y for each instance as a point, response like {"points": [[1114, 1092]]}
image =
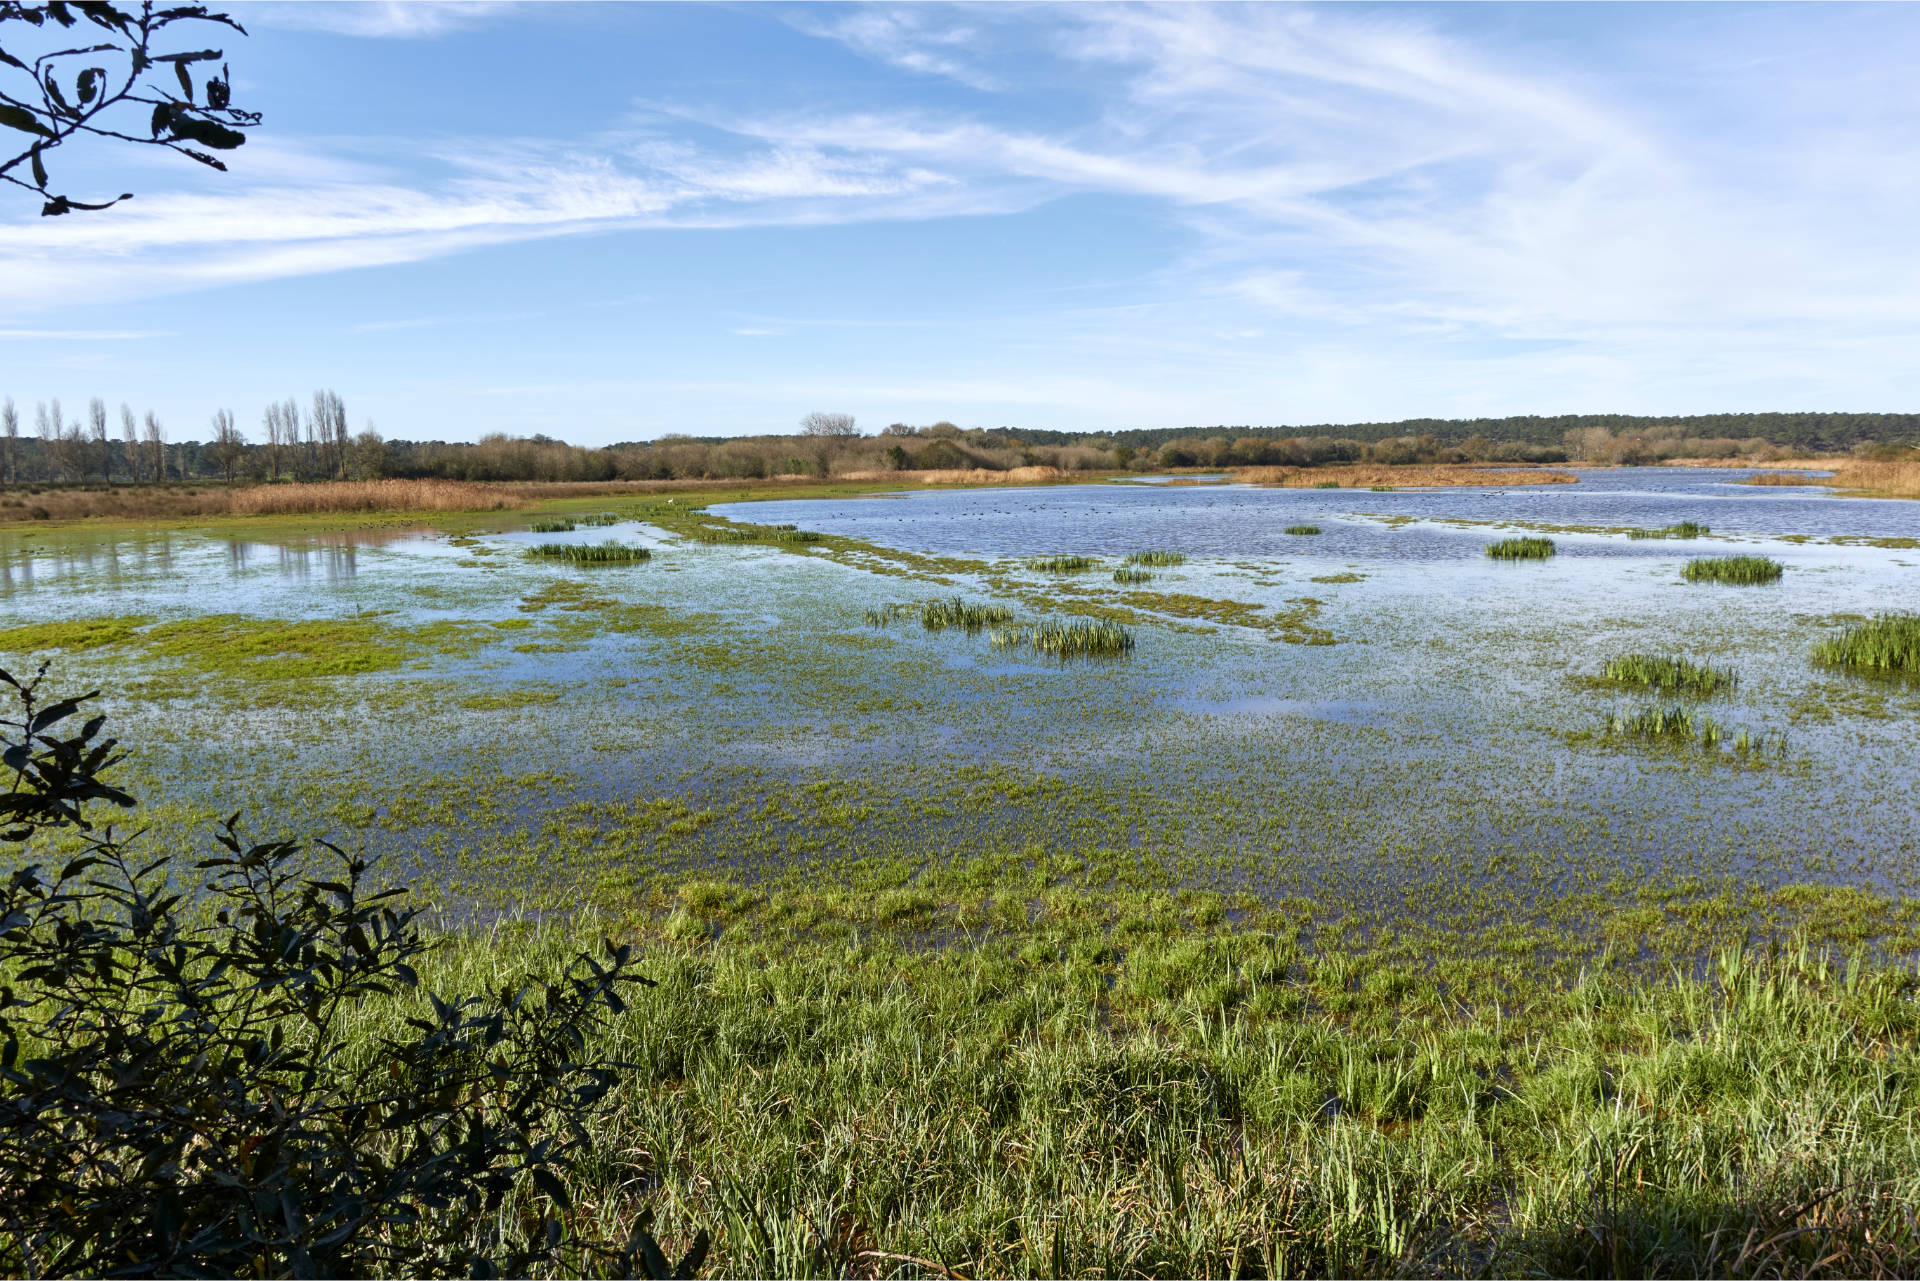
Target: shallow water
{"points": [[1441, 747]]}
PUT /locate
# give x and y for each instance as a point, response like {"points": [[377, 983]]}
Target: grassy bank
{"points": [[852, 1092]]}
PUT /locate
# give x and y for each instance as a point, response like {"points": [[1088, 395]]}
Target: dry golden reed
{"points": [[370, 496], [1366, 475]]}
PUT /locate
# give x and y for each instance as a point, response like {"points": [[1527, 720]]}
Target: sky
{"points": [[614, 222]]}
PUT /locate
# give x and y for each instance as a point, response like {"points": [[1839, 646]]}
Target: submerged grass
{"points": [[595, 520], [1735, 571], [591, 553], [1060, 564], [1885, 646], [1132, 575], [1521, 549], [1156, 558], [969, 616], [1081, 638], [1667, 674], [1301, 529], [1680, 726], [1685, 529]]}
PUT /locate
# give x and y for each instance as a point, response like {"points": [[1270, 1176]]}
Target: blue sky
{"points": [[613, 222]]}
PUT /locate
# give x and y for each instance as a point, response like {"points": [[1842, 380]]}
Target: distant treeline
{"points": [[315, 444]]}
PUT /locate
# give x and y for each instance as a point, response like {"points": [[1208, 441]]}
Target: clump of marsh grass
{"points": [[884, 615], [751, 534], [1081, 638], [1301, 529], [1685, 529], [598, 519], [591, 553], [1156, 558], [937, 615], [1735, 571], [550, 526], [1132, 575], [1885, 646], [1521, 549], [1326, 484], [1673, 676], [1680, 726], [1060, 564]]}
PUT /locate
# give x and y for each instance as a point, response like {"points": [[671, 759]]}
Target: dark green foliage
{"points": [[1668, 675], [1885, 646], [1301, 529], [178, 1089], [1685, 529], [591, 554], [1521, 549], [1735, 571]]}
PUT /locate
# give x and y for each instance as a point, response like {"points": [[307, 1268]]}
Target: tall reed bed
{"points": [[1885, 646], [590, 553], [1734, 571], [1521, 549], [1060, 564], [369, 495], [1668, 674], [1081, 638], [1685, 529]]}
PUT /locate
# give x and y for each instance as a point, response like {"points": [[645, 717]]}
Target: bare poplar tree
{"points": [[329, 422], [129, 440], [10, 434], [97, 432], [228, 442], [156, 447]]}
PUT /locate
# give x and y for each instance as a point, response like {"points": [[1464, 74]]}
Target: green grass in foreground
{"points": [[590, 554], [1667, 674], [827, 1093], [1685, 529], [1885, 646], [1521, 549], [1736, 571]]}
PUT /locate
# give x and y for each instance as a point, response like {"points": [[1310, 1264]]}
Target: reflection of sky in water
{"points": [[1454, 675], [1236, 521]]}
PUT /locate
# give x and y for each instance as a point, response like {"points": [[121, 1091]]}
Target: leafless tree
{"points": [[55, 87], [10, 433], [229, 444], [330, 425], [823, 424], [129, 440], [156, 447], [97, 433]]}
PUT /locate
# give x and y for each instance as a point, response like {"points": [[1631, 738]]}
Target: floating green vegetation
{"points": [[1156, 558], [1680, 726], [1080, 638], [1060, 564], [969, 616], [595, 520], [78, 633], [591, 553], [1885, 646], [1735, 571], [1301, 529], [1685, 529], [1345, 577], [1326, 484], [1132, 575], [509, 700], [550, 526], [1666, 674], [1521, 549]]}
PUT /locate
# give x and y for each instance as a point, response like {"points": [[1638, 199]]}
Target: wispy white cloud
{"points": [[377, 19], [924, 40]]}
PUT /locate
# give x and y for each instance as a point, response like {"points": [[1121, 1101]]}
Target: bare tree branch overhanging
{"points": [[119, 87]]}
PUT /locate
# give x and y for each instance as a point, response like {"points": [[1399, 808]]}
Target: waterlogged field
{"points": [[1245, 845]]}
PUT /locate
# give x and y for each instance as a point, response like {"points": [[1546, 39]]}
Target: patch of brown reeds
{"points": [[1364, 476], [960, 476], [122, 503], [370, 496], [1874, 479]]}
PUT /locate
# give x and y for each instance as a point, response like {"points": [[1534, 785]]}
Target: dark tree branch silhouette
{"points": [[117, 87]]}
